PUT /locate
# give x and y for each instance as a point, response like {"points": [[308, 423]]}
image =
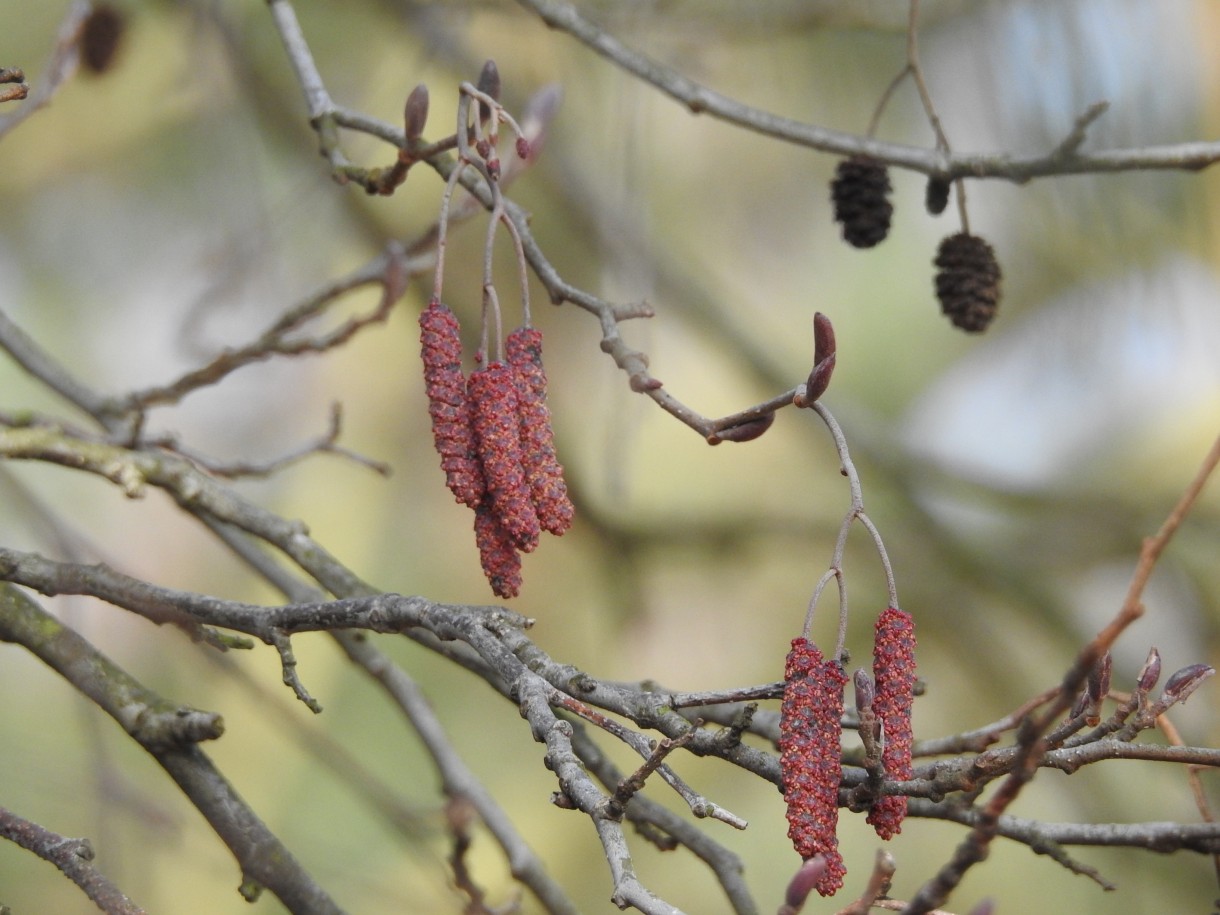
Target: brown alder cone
{"points": [[448, 404], [497, 427], [100, 37], [523, 349], [860, 193], [497, 552], [810, 756], [894, 673], [967, 281]]}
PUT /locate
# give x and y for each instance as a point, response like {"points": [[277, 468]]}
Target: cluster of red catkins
{"points": [[810, 744], [493, 432]]}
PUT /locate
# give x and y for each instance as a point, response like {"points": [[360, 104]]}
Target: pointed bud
{"points": [[1179, 687], [1150, 673], [745, 431], [865, 691], [823, 361], [803, 883]]}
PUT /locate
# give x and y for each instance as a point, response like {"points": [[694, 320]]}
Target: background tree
{"points": [[174, 250]]}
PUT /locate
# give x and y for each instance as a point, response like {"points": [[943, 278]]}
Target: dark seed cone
{"points": [[497, 553], [100, 37], [967, 281], [894, 673], [810, 753], [523, 349], [936, 195], [497, 427], [860, 193], [448, 405]]}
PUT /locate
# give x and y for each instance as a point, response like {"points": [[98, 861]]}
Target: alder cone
{"points": [[494, 411], [894, 674], [810, 752], [100, 36], [967, 281], [523, 350], [448, 404], [936, 195], [497, 552], [860, 193]]}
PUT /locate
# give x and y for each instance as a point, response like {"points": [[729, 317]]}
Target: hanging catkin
{"points": [[497, 553], [810, 756], [894, 673], [523, 350], [448, 405], [494, 411]]}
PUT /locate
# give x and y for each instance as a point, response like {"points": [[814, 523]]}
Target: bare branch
{"points": [[73, 857], [700, 100]]}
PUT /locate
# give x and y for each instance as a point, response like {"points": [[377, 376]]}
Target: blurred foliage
{"points": [[176, 204]]}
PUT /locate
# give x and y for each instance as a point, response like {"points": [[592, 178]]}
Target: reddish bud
{"points": [[523, 148], [810, 757], [494, 415], [1150, 673], [812, 872], [1179, 687], [894, 673], [745, 431], [415, 113], [823, 361]]}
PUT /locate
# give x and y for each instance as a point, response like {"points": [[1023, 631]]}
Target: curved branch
{"points": [[1065, 159]]}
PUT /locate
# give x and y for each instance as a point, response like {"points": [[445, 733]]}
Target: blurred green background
{"points": [[177, 204]]}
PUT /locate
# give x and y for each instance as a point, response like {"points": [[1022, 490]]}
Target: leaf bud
{"points": [[415, 113], [1179, 687], [1150, 673]]}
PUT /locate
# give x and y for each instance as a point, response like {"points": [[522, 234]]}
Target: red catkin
{"points": [[448, 405], [810, 753], [494, 411], [497, 552], [523, 350], [894, 673]]}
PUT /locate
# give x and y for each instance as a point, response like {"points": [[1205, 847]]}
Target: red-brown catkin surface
{"points": [[445, 385], [523, 349], [497, 553], [894, 673], [810, 750], [497, 427]]}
